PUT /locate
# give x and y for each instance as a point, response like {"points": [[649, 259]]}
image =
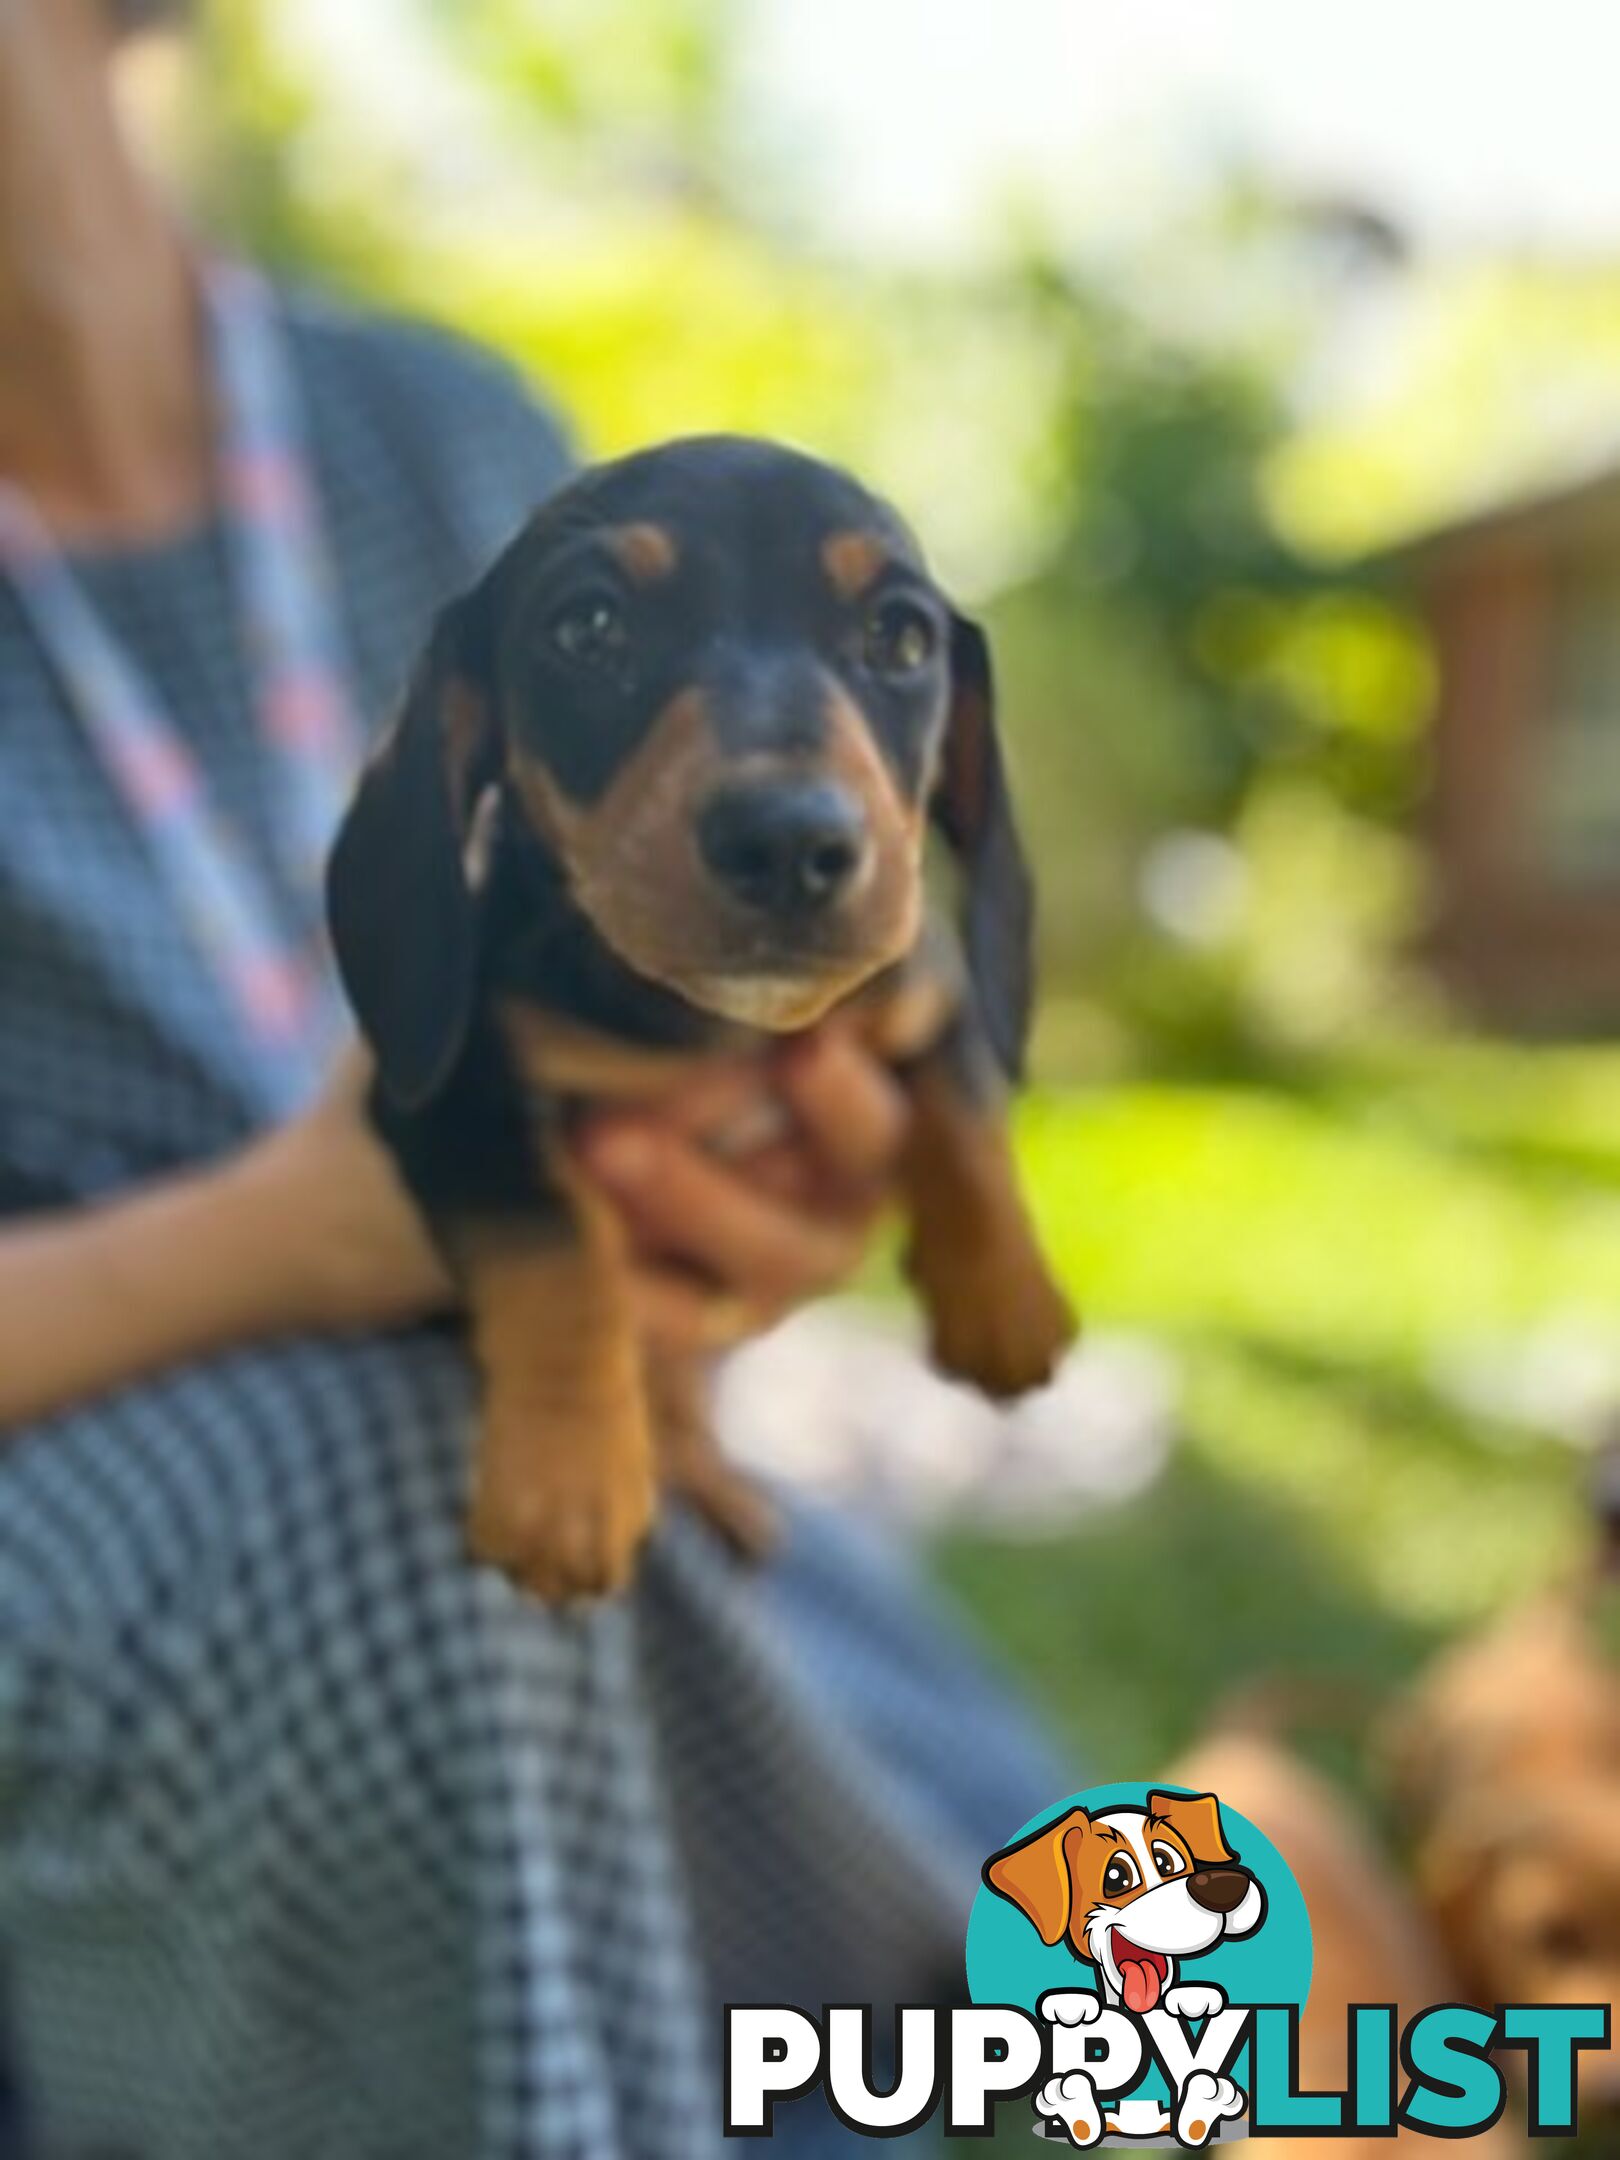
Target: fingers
{"points": [[679, 1201], [850, 1109], [678, 1311], [823, 1114], [714, 1101], [751, 1187]]}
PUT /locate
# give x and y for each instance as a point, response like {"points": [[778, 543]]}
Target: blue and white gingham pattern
{"points": [[279, 982], [313, 1840], [284, 581]]}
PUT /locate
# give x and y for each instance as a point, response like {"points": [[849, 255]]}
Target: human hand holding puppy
{"points": [[751, 1190], [747, 1190], [310, 1230]]}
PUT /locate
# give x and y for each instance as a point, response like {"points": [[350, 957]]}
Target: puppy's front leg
{"points": [[563, 1490], [996, 1316], [562, 1476]]}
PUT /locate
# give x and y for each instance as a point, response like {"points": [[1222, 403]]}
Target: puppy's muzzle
{"points": [[790, 849], [1219, 1890]]}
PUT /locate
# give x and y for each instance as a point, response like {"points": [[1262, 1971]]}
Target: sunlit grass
{"points": [[1313, 1262], [1308, 1226]]}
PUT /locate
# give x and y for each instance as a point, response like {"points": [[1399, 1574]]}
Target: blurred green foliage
{"points": [[1337, 1274]]}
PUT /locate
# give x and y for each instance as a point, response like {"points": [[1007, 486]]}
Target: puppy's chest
{"points": [[566, 1065]]}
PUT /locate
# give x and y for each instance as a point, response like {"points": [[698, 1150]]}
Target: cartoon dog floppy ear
{"points": [[1196, 1820], [1037, 1875]]}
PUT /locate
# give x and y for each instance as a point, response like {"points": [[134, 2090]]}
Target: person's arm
{"points": [[93, 1298], [306, 1230], [310, 1230]]}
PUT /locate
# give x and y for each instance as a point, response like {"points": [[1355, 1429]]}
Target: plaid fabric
{"points": [[282, 989], [313, 1840]]}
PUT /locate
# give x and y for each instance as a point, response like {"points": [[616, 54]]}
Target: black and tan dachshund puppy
{"points": [[660, 790]]}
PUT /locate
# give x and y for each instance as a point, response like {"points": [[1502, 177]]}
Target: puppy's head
{"points": [[1506, 1762], [718, 684], [1132, 1888]]}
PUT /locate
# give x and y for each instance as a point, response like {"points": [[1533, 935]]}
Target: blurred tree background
{"points": [[1384, 1251]]}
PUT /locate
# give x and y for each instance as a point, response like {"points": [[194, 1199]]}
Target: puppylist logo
{"points": [[1138, 1959], [1137, 1896]]}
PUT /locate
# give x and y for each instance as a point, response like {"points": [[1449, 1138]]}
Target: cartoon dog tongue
{"points": [[1138, 1977]]}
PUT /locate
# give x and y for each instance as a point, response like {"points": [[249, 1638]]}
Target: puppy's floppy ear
{"points": [[1196, 1820], [1457, 1863], [973, 809], [1034, 1875], [402, 908]]}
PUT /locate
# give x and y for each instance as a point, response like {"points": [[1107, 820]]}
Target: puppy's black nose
{"points": [[1219, 1889], [789, 847]]}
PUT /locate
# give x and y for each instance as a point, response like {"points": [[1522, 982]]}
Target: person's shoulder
{"points": [[449, 417], [434, 372]]}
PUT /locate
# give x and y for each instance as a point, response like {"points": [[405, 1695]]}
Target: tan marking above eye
{"points": [[645, 551], [854, 561]]}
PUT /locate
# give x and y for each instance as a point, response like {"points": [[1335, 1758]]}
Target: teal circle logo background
{"points": [[1008, 1963]]}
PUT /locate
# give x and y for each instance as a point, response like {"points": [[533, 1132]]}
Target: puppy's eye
{"points": [[1168, 1861], [591, 632], [1562, 1940], [898, 638], [1119, 1876]]}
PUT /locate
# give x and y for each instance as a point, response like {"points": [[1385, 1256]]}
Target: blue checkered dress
{"points": [[315, 1841]]}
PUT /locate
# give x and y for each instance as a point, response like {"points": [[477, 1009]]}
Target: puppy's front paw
{"points": [[1072, 2101], [996, 1317], [1206, 2101], [1192, 2001], [563, 1495]]}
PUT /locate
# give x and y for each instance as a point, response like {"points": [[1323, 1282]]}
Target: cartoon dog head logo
{"points": [[1133, 1889]]}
